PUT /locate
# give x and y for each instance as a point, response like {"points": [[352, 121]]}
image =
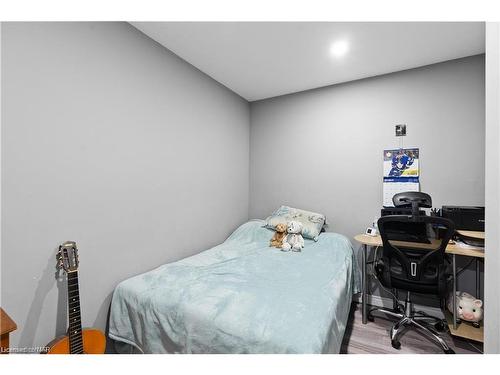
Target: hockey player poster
{"points": [[401, 172]]}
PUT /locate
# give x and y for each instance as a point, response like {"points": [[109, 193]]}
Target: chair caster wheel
{"points": [[371, 318], [439, 326], [396, 344], [449, 351]]}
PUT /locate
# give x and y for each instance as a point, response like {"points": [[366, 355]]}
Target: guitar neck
{"points": [[74, 315]]}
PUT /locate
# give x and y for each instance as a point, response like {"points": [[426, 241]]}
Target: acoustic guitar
{"points": [[78, 340]]}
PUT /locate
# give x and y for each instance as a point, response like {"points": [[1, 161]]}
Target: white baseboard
{"points": [[379, 301]]}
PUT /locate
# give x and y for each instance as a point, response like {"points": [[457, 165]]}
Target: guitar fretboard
{"points": [[74, 316]]}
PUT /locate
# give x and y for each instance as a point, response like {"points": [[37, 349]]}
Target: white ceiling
{"points": [[259, 60]]}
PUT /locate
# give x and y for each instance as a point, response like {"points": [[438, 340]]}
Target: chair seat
{"points": [[414, 287]]}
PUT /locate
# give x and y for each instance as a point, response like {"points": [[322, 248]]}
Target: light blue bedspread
{"points": [[241, 297]]}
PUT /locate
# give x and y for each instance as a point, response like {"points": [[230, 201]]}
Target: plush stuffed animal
{"points": [[293, 239], [468, 307], [277, 239]]}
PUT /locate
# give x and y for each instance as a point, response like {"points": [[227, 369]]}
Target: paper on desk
{"points": [[467, 246]]}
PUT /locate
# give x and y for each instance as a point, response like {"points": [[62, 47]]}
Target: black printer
{"points": [[465, 217]]}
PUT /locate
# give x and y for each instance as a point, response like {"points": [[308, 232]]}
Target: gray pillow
{"points": [[313, 222]]}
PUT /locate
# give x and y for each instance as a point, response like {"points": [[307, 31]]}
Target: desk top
{"points": [[471, 234], [452, 248]]}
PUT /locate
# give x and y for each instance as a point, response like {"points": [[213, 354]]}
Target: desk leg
{"points": [[454, 292], [363, 284], [478, 280]]}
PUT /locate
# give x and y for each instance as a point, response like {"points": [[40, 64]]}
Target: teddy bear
{"points": [[277, 240], [293, 239]]}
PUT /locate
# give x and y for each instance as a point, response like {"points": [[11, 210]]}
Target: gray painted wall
{"points": [[110, 140], [338, 134], [492, 261]]}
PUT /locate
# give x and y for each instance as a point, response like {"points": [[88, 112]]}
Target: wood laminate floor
{"points": [[373, 338]]}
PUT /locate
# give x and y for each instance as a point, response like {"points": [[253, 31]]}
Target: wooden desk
{"points": [[463, 330], [452, 248], [7, 325]]}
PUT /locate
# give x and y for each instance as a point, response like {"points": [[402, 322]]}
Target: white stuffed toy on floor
{"points": [[293, 239], [469, 308]]}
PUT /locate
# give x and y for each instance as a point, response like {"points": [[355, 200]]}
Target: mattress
{"points": [[241, 297]]}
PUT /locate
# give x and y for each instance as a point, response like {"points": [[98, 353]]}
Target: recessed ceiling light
{"points": [[339, 48]]}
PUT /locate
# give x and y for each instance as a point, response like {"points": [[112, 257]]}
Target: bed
{"points": [[241, 297]]}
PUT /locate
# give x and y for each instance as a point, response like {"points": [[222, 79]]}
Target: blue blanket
{"points": [[241, 297]]}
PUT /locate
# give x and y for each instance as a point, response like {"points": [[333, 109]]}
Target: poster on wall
{"points": [[401, 173]]}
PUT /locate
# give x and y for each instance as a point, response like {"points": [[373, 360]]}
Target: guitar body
{"points": [[94, 342]]}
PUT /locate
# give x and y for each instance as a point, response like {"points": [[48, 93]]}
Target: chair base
{"points": [[407, 318]]}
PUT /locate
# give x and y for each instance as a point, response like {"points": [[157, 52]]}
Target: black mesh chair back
{"points": [[413, 199], [414, 266]]}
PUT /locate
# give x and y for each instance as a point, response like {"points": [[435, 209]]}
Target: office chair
{"points": [[414, 268]]}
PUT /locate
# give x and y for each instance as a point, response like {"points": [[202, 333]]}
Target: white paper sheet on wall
{"points": [[394, 187], [401, 173]]}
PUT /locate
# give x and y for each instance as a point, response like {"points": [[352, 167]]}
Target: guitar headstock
{"points": [[67, 257]]}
